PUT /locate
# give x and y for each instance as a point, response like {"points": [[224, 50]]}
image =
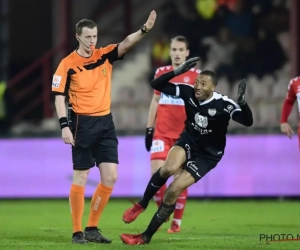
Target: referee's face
{"points": [[88, 38], [203, 87], [178, 53]]}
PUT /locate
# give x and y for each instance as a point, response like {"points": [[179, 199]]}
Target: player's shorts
{"points": [[161, 147], [197, 163], [95, 141]]}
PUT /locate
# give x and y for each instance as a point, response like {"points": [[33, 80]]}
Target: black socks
{"points": [[155, 183], [162, 214]]}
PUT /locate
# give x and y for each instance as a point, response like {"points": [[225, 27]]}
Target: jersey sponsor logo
{"points": [[188, 151], [229, 108], [201, 121], [212, 112], [56, 81], [157, 146], [192, 165], [170, 100]]}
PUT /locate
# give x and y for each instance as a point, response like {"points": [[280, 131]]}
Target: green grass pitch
{"points": [[46, 224]]}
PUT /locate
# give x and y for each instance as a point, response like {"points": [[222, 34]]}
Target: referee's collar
{"points": [[81, 55]]}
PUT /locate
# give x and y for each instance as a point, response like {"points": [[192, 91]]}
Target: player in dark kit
{"points": [[200, 146]]}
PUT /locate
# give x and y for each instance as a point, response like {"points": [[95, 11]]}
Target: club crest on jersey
{"points": [[104, 72], [186, 79], [201, 121], [212, 112]]}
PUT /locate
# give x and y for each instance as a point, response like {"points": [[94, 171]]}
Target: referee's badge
{"points": [[212, 112]]}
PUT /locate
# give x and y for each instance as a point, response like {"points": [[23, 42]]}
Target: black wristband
{"points": [[144, 31], [149, 130], [63, 122]]}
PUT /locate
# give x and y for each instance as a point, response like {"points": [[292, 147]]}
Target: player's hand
{"points": [[149, 138], [151, 20], [286, 129], [67, 136], [186, 66], [241, 92]]}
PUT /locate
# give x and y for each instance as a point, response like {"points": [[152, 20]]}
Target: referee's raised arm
{"points": [[135, 37]]}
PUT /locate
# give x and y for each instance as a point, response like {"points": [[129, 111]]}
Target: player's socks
{"points": [[163, 212], [180, 206], [155, 183], [158, 197], [76, 201], [99, 201]]}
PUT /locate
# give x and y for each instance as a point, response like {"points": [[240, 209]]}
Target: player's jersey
{"points": [[207, 121], [293, 94], [294, 91], [87, 80], [171, 114]]}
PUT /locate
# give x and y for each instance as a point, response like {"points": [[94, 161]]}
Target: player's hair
{"points": [[212, 75], [180, 39], [84, 23]]}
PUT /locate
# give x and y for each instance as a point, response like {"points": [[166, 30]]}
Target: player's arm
{"points": [[242, 112], [60, 106], [163, 84], [59, 83], [243, 115], [135, 37], [287, 107], [151, 121], [153, 110]]}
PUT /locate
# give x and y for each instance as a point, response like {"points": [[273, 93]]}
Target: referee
{"points": [[84, 77]]}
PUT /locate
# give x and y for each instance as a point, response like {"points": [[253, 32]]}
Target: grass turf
{"points": [[46, 224]]}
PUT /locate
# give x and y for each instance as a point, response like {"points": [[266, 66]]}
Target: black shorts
{"points": [[95, 141], [197, 163]]}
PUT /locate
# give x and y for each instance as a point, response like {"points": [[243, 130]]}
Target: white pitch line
{"points": [[198, 238]]}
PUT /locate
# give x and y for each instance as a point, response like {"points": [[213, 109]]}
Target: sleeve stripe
{"points": [[178, 83], [177, 91], [233, 111]]}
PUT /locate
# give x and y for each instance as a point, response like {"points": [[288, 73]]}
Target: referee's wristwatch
{"points": [[144, 29]]}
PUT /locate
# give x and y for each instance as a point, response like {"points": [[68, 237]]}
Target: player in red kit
{"points": [[293, 94], [165, 124]]}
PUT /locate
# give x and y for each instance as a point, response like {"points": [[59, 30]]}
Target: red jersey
{"points": [[171, 114], [293, 94]]}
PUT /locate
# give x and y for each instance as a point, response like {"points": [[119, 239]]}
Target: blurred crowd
{"points": [[235, 38]]}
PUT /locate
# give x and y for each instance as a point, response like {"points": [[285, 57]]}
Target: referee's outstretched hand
{"points": [[241, 92], [151, 20], [187, 65]]}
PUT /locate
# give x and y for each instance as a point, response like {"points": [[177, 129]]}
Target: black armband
{"points": [[63, 122]]}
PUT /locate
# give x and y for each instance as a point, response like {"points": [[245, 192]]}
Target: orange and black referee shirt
{"points": [[87, 80]]}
